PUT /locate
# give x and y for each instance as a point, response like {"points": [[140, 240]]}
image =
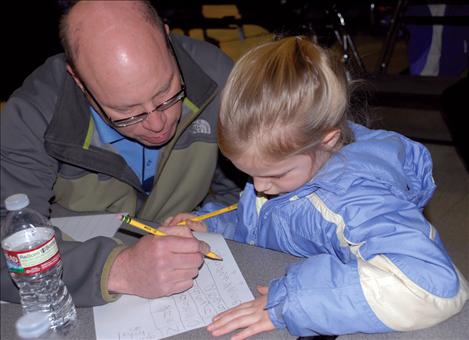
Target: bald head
{"points": [[118, 47], [71, 24]]}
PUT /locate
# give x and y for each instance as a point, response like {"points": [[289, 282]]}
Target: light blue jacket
{"points": [[373, 263]]}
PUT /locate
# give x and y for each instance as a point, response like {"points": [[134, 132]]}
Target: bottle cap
{"points": [[32, 325], [16, 202]]}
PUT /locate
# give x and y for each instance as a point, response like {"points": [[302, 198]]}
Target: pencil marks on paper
{"points": [[219, 286], [196, 307]]}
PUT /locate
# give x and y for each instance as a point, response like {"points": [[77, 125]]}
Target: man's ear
{"points": [[75, 77], [330, 139]]}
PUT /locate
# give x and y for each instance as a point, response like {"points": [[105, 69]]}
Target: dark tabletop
{"points": [[258, 266]]}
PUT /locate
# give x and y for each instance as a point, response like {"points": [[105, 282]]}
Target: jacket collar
{"points": [[68, 132], [199, 86]]}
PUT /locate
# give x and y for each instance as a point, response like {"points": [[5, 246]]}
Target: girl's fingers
{"points": [[239, 321], [182, 231], [167, 221], [226, 317], [250, 315], [263, 290], [233, 310], [197, 226], [254, 329], [174, 220]]}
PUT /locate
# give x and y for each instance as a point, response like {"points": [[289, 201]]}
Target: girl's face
{"points": [[274, 177]]}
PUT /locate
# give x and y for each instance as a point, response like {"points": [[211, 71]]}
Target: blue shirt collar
{"points": [[106, 133]]}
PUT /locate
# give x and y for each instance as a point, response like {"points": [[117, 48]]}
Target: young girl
{"points": [[347, 199]]}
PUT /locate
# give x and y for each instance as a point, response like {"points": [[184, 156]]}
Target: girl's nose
{"points": [[262, 184]]}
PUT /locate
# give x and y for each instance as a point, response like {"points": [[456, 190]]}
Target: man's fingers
{"points": [[166, 265], [173, 285], [204, 248], [183, 261], [191, 245], [184, 245]]}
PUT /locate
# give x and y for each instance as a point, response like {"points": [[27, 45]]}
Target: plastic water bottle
{"points": [[34, 263], [33, 326]]}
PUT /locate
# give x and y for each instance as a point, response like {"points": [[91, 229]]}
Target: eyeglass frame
{"points": [[138, 118]]}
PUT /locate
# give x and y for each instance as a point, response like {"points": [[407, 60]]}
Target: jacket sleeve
{"points": [[25, 165], [387, 271], [222, 224], [85, 271]]}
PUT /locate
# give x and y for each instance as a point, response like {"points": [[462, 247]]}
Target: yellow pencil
{"points": [[129, 220], [213, 213]]}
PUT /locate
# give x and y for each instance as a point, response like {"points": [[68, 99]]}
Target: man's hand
{"points": [[249, 315], [158, 266]]}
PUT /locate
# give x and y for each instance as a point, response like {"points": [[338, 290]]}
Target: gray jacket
{"points": [[51, 151]]}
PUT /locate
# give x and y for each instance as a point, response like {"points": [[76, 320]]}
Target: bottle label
{"points": [[31, 262]]}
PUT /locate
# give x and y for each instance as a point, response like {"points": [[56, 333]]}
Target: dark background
{"points": [[30, 35], [30, 27]]}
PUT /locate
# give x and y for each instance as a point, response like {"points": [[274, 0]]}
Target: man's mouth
{"points": [[159, 139]]}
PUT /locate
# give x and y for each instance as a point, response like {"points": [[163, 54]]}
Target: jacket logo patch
{"points": [[201, 126]]}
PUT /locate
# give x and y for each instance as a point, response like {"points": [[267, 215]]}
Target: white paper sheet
{"points": [[219, 286], [82, 228]]}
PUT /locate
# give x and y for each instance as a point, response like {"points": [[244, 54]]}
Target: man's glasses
{"points": [[119, 123], [142, 116]]}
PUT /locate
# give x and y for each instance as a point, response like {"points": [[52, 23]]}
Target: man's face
{"points": [[125, 67], [155, 97], [133, 82]]}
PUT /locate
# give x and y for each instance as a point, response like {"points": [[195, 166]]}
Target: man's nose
{"points": [[262, 184], [155, 121]]}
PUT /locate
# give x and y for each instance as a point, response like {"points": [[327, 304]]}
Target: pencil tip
{"points": [[214, 256]]}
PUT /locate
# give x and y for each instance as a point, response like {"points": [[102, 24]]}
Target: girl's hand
{"points": [[249, 315], [174, 220], [186, 217]]}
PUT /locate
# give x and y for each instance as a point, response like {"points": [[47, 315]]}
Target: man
{"points": [[125, 121]]}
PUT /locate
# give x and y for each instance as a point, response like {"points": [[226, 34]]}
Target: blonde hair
{"points": [[282, 97]]}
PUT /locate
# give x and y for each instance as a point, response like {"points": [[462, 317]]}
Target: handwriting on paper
{"points": [[218, 287]]}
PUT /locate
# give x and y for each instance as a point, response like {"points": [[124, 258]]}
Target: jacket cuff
{"points": [[107, 296], [275, 302]]}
